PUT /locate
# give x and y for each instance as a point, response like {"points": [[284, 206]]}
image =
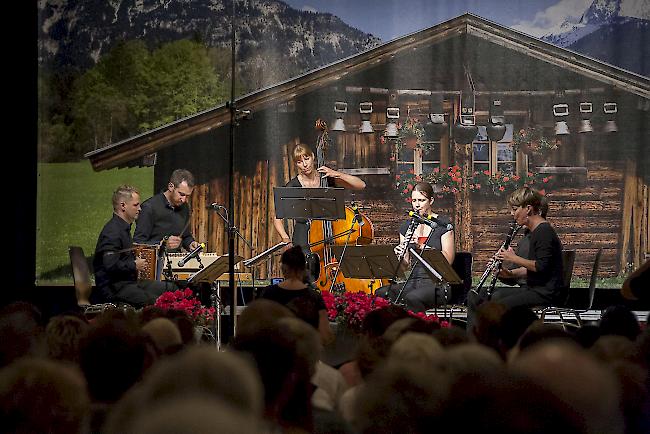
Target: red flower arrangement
{"points": [[450, 181], [350, 308], [186, 301]]}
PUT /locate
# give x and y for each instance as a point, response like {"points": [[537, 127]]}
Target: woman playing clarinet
{"points": [[420, 292], [542, 266]]}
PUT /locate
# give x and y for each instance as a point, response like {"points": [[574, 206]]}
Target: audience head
{"points": [[113, 357], [21, 331], [486, 329], [450, 336], [619, 320], [306, 309], [540, 332], [293, 263], [43, 396], [63, 334], [417, 348], [259, 315], [165, 335], [472, 358], [502, 401], [578, 380], [400, 397], [184, 323], [221, 375], [285, 353], [587, 335], [195, 414], [514, 323], [377, 321]]}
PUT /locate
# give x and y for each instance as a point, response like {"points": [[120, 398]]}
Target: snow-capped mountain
{"points": [[599, 13], [614, 31], [77, 32]]}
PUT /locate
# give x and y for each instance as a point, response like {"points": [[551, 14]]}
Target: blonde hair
{"points": [[525, 196], [300, 151], [122, 194]]}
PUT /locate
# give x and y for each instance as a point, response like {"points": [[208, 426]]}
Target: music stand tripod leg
{"points": [[216, 305]]}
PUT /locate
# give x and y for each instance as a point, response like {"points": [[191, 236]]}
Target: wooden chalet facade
{"points": [[599, 181]]}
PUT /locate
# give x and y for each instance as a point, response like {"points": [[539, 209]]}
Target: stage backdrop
{"points": [[554, 95]]}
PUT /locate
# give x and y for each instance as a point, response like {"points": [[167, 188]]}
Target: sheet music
{"points": [[266, 253]]}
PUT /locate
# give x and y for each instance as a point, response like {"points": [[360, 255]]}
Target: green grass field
{"points": [[73, 204]]}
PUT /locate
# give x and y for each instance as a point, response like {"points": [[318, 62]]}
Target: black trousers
{"points": [[140, 293], [419, 295]]}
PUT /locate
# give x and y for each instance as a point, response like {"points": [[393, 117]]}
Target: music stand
{"points": [[325, 203], [376, 261], [211, 274], [438, 269], [255, 260]]}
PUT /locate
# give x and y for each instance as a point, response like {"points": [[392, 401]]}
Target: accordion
{"points": [[149, 253]]}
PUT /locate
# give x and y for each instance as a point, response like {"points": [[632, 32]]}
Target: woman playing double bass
{"points": [[310, 177]]}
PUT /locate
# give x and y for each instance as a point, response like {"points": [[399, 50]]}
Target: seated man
{"points": [[116, 266]]}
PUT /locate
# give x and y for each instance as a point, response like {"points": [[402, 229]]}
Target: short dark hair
{"points": [[293, 259], [180, 175]]}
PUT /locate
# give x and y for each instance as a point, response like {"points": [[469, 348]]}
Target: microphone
{"points": [[215, 206], [193, 254], [357, 214], [430, 220]]}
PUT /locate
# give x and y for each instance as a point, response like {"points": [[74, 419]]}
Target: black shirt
{"points": [[158, 219], [301, 226], [546, 250], [114, 261], [284, 296]]}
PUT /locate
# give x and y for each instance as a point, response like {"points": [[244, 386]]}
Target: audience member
{"points": [[21, 331], [43, 396], [578, 380], [485, 327], [165, 335], [285, 354], [63, 334], [450, 336], [225, 376], [619, 320], [512, 326], [195, 414]]}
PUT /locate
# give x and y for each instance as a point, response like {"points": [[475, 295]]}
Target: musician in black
{"points": [[310, 177], [513, 274], [420, 292], [167, 214], [115, 264]]}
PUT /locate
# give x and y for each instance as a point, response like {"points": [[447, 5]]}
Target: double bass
{"points": [[355, 229]]}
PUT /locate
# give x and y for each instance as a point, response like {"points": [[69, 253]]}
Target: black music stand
{"points": [[258, 259], [211, 274], [438, 269], [376, 261], [325, 203]]}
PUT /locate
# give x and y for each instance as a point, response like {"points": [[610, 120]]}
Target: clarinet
{"points": [[514, 228], [404, 245]]}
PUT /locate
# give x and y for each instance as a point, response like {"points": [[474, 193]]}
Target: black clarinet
{"points": [[514, 228]]}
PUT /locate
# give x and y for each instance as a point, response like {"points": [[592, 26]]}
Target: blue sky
{"points": [[389, 19]]}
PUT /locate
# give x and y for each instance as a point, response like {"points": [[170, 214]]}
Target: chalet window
{"points": [[421, 161], [494, 156]]}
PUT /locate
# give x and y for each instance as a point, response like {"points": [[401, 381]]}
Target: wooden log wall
{"points": [[253, 215], [585, 218], [634, 222]]}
